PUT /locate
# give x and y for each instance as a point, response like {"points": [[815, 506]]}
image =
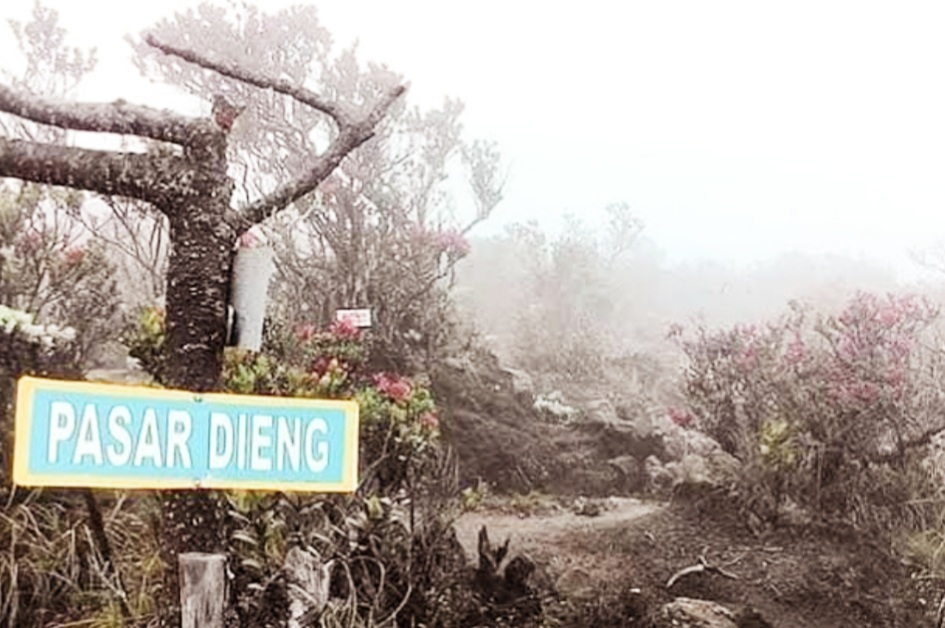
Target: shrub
{"points": [[815, 406], [391, 544], [51, 266], [52, 566]]}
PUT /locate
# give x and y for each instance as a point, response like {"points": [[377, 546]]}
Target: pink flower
{"points": [[889, 316], [305, 332], [396, 388], [453, 243], [30, 240], [867, 391], [429, 420], [680, 416], [399, 390], [345, 328], [250, 240], [73, 256]]}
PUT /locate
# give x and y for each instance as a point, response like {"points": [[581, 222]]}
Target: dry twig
{"points": [[702, 566]]}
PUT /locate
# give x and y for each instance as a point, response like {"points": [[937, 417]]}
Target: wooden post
{"points": [[202, 589]]}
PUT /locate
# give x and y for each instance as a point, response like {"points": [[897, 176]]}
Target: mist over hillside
{"points": [[525, 277]]}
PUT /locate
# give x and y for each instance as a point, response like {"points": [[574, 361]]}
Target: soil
{"points": [[621, 560], [612, 569]]}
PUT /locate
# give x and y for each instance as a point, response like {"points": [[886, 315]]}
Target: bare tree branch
{"points": [[350, 137], [118, 117], [351, 133], [231, 70], [148, 177]]}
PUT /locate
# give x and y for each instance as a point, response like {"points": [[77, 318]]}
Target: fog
{"points": [[771, 152]]}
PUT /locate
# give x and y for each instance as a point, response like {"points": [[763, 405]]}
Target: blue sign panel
{"points": [[111, 436]]}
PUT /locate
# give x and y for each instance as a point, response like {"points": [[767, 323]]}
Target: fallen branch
{"points": [[703, 566]]}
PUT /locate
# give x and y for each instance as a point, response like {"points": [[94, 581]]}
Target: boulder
{"points": [[678, 442], [523, 386], [658, 477], [690, 613], [630, 473], [601, 411], [714, 469], [576, 584], [623, 439], [643, 421]]}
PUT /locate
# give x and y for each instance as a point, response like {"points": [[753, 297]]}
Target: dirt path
{"points": [[793, 577], [543, 533]]}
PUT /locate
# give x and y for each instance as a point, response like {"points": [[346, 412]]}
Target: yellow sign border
{"points": [[27, 387]]}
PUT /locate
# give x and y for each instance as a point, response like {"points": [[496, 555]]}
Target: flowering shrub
{"points": [[12, 321], [400, 460], [399, 420], [53, 267], [27, 348], [680, 416], [811, 403]]}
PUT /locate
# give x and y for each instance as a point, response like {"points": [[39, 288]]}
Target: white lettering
{"points": [[89, 442], [316, 463], [288, 444], [61, 426], [241, 442], [118, 421], [220, 424], [259, 442], [178, 431], [149, 445]]}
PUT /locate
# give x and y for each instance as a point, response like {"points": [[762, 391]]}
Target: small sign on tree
{"points": [[359, 318]]}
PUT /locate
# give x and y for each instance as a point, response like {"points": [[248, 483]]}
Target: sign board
{"points": [[112, 436], [358, 318]]}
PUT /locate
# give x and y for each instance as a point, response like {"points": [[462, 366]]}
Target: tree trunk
{"points": [[197, 286]]}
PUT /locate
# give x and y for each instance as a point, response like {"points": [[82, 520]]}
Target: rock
{"points": [[601, 411], [133, 375], [576, 583], [630, 476], [522, 382], [678, 442], [612, 440], [693, 469], [690, 613], [750, 618], [712, 470], [586, 507], [643, 422], [658, 477], [552, 407]]}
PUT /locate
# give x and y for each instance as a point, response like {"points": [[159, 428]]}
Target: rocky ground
{"points": [[555, 461], [610, 561]]}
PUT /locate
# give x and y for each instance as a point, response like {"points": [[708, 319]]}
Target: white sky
{"points": [[736, 130]]}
